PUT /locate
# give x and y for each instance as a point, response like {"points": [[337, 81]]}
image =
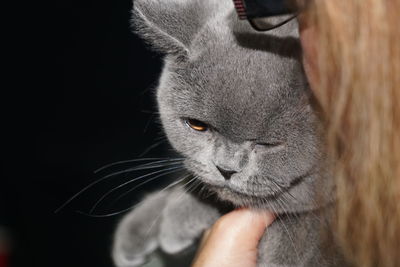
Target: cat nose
{"points": [[226, 173]]}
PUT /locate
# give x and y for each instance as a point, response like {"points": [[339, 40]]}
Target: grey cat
{"points": [[236, 104]]}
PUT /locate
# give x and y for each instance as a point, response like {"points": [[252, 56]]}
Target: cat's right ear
{"points": [[169, 26]]}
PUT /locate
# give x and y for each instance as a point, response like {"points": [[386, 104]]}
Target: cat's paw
{"points": [[137, 234], [184, 219], [170, 220]]}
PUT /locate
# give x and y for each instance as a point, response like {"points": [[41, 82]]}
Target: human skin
{"points": [[230, 241]]}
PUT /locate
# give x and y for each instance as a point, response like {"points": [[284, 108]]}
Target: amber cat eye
{"points": [[196, 125]]}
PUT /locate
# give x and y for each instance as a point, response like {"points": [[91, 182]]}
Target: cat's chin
{"points": [[240, 199], [272, 203]]}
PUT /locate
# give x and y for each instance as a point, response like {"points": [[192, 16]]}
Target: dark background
{"points": [[92, 104]]}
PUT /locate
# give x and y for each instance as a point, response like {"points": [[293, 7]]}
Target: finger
{"points": [[233, 239], [244, 225]]}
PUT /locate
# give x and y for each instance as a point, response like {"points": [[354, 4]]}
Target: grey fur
{"points": [[250, 87]]}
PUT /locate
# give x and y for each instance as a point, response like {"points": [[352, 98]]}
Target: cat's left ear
{"points": [[170, 26]]}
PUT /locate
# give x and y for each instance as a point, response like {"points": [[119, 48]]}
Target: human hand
{"points": [[233, 240]]}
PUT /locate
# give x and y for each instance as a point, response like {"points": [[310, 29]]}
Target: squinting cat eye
{"points": [[265, 15], [196, 125]]}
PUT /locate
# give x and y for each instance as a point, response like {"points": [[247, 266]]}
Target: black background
{"points": [[88, 101]]}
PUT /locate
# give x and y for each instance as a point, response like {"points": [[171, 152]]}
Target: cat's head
{"points": [[236, 103]]}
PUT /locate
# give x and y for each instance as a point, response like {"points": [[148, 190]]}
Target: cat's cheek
{"points": [[190, 143]]}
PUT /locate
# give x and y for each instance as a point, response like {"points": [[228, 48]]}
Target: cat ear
{"points": [[170, 25]]}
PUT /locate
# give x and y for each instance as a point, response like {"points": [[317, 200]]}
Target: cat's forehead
{"points": [[235, 94], [232, 63], [240, 71], [231, 70], [236, 80], [230, 81]]}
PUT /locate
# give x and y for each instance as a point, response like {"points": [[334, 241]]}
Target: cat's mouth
{"points": [[281, 201], [251, 193], [226, 189], [298, 195]]}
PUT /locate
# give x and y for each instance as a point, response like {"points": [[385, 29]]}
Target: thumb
{"points": [[233, 240]]}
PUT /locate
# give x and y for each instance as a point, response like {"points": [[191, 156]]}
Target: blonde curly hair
{"points": [[358, 46]]}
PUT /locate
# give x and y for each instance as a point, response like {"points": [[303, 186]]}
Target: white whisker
{"points": [[163, 173]]}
